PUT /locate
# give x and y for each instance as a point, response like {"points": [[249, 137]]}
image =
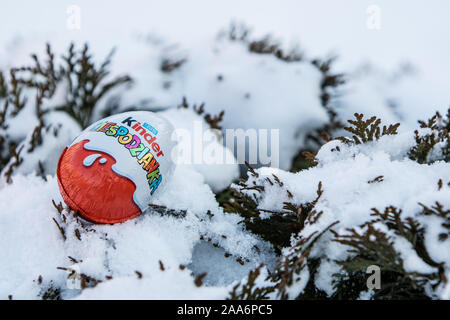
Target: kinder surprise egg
{"points": [[110, 172]]}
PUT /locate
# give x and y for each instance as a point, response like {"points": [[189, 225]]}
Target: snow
{"points": [[161, 285], [399, 95], [348, 197], [33, 245], [201, 148], [366, 295], [399, 81]]}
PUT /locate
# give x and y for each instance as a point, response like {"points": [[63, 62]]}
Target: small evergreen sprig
{"points": [[281, 224], [276, 229], [391, 217], [248, 290], [438, 210], [367, 130], [362, 130], [213, 120], [169, 65], [371, 246], [329, 84], [85, 84], [425, 143], [3, 86], [287, 272], [85, 81], [329, 80], [306, 212], [265, 45]]}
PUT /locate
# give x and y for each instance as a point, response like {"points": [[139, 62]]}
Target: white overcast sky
{"points": [[414, 30]]}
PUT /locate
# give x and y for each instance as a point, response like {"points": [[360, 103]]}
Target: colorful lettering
{"points": [[134, 144]]}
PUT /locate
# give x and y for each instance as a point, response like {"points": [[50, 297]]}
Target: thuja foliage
{"points": [[329, 86], [438, 210], [367, 130], [87, 83], [362, 131], [370, 246], [249, 290], [81, 83], [168, 65], [367, 245], [434, 144], [265, 45], [213, 120], [371, 243], [278, 228], [288, 271]]}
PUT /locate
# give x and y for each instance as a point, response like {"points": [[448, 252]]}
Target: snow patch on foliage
{"points": [[350, 191]]}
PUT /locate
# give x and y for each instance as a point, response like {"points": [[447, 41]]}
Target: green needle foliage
{"points": [[213, 121], [438, 138], [87, 83], [83, 83], [371, 243], [249, 290], [367, 130]]}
